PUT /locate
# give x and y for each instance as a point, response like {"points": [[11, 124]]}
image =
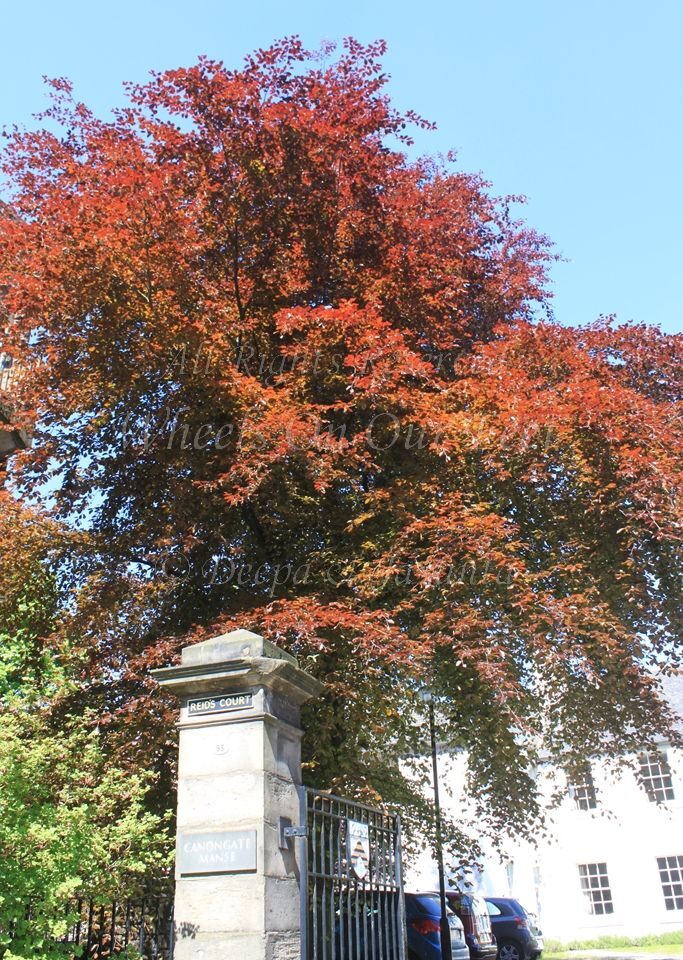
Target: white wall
{"points": [[627, 831]]}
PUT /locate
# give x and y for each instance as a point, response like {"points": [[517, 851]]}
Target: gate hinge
{"points": [[289, 832]]}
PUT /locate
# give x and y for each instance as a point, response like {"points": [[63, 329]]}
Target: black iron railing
{"points": [[143, 925], [105, 930]]}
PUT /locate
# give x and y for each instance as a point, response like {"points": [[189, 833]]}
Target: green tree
{"points": [[70, 824], [71, 821]]}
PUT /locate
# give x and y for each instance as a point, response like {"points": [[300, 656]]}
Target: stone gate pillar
{"points": [[237, 883]]}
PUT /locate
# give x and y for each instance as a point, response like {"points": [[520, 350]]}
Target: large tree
{"points": [[72, 823], [292, 380]]}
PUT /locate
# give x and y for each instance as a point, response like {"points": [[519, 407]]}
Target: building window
{"points": [[656, 775], [582, 790], [6, 363], [671, 875], [596, 889]]}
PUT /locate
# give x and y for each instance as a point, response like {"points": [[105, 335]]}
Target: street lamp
{"points": [[445, 929]]}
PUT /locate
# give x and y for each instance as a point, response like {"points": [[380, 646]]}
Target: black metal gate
{"points": [[352, 885]]}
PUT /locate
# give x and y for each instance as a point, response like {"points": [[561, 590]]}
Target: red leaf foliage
{"points": [[290, 379]]}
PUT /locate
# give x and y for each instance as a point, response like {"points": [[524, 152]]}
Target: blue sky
{"points": [[576, 104]]}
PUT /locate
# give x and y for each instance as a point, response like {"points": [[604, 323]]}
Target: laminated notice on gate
{"points": [[358, 847], [220, 851]]}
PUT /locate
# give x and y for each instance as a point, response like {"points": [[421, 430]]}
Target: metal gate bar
{"points": [[344, 917]]}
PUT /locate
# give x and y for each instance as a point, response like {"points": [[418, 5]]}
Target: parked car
{"points": [[515, 930], [423, 925], [474, 916], [423, 921]]}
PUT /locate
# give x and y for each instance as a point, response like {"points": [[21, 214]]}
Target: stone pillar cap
{"points": [[237, 645], [233, 661]]}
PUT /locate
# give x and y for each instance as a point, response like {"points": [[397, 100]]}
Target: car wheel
{"points": [[511, 950]]}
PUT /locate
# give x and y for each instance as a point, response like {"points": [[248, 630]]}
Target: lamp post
{"points": [[445, 929]]}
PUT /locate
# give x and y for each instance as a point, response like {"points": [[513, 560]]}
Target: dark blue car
{"points": [[423, 926], [515, 930], [423, 921]]}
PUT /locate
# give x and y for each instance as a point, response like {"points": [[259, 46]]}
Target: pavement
{"points": [[626, 954]]}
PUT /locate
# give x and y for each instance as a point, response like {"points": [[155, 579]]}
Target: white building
{"points": [[613, 863]]}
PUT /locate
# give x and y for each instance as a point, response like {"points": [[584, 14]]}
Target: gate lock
{"points": [[289, 832]]}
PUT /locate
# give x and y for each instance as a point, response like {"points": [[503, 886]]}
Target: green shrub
{"points": [[71, 822]]}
